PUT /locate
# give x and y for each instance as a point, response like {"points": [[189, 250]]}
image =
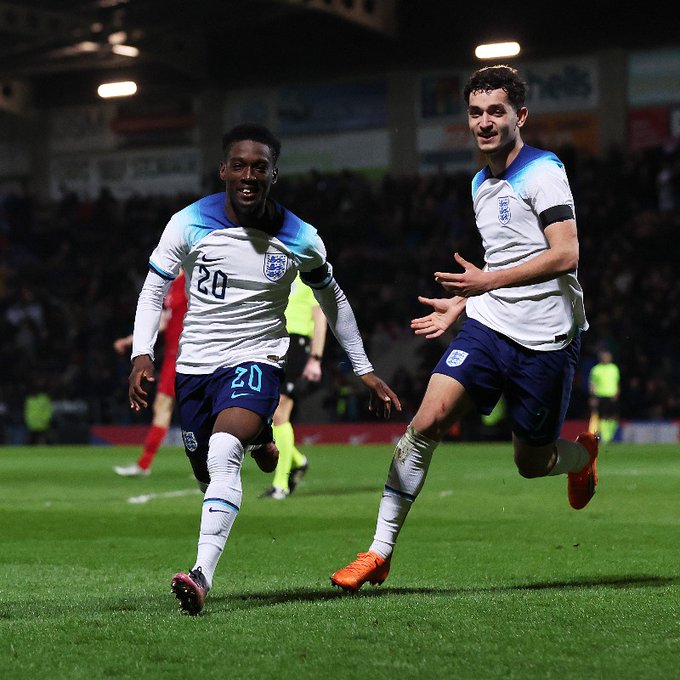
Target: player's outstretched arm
{"points": [[382, 397], [560, 258], [147, 319], [473, 281], [445, 314], [142, 369]]}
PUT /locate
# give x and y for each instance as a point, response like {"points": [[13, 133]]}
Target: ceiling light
{"points": [[117, 38], [122, 89], [497, 50], [125, 50], [87, 46]]}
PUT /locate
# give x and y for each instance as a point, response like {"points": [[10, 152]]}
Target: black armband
{"points": [[558, 213], [317, 278]]}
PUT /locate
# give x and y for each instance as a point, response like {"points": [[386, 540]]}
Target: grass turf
{"points": [[494, 576]]}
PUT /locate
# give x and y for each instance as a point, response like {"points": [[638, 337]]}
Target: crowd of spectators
{"points": [[70, 272]]}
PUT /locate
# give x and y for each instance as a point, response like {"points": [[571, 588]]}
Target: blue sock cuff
{"points": [[221, 501]]}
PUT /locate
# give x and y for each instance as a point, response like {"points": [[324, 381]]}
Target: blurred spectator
{"points": [[70, 272]]}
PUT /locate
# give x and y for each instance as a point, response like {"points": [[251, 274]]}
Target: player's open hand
{"points": [[473, 281], [382, 397], [142, 369], [446, 312], [122, 345]]}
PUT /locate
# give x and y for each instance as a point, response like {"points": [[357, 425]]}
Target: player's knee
{"points": [[433, 423], [225, 454], [530, 472], [534, 462]]}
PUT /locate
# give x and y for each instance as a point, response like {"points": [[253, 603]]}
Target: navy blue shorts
{"points": [[200, 398], [536, 385]]}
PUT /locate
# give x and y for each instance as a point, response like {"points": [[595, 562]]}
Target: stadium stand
{"points": [[70, 272]]}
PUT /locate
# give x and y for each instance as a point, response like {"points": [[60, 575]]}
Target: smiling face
{"points": [[248, 172], [495, 125]]}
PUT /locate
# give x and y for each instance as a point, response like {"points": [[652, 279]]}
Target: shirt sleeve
{"points": [[148, 315], [313, 255], [343, 324], [166, 259], [548, 189]]}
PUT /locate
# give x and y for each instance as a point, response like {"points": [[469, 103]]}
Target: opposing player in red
{"points": [[263, 450], [174, 309]]}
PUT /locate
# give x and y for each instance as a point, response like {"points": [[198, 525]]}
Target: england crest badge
{"points": [[190, 443], [456, 358], [275, 265], [504, 210]]}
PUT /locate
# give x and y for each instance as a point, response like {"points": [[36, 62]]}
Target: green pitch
{"points": [[494, 576]]}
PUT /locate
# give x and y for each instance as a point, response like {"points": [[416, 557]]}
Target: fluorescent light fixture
{"points": [[122, 89], [497, 50], [125, 50]]}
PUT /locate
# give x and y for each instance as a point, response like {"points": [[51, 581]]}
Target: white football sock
{"points": [[405, 479], [571, 457], [222, 500]]}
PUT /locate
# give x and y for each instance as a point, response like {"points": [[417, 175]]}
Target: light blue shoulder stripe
{"points": [[479, 179], [296, 234], [529, 160], [202, 218]]}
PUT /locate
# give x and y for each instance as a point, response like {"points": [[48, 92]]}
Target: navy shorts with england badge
{"points": [[251, 385], [536, 385]]}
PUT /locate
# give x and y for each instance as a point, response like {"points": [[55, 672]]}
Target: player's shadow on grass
{"points": [[340, 491], [599, 582], [252, 600]]}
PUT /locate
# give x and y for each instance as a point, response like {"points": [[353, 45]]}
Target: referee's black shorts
{"points": [[607, 407], [298, 354]]}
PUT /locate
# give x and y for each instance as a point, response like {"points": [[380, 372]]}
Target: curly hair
{"points": [[500, 77], [253, 132]]}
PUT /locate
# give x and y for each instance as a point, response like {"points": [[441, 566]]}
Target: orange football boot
{"points": [[581, 485], [368, 566]]}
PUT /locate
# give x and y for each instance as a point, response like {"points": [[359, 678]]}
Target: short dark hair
{"points": [[254, 132], [500, 77]]}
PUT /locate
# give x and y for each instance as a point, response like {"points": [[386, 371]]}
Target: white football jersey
{"points": [[511, 212], [238, 281]]}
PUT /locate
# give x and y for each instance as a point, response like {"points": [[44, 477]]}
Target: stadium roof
{"points": [[63, 48]]}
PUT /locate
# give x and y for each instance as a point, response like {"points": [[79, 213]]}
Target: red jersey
{"points": [[176, 303]]}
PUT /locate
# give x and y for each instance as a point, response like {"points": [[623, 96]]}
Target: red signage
{"points": [[648, 127]]}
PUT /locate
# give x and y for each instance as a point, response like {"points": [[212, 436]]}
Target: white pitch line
{"points": [[165, 494]]}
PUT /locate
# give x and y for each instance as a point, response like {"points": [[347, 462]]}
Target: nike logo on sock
{"points": [[226, 512]]}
